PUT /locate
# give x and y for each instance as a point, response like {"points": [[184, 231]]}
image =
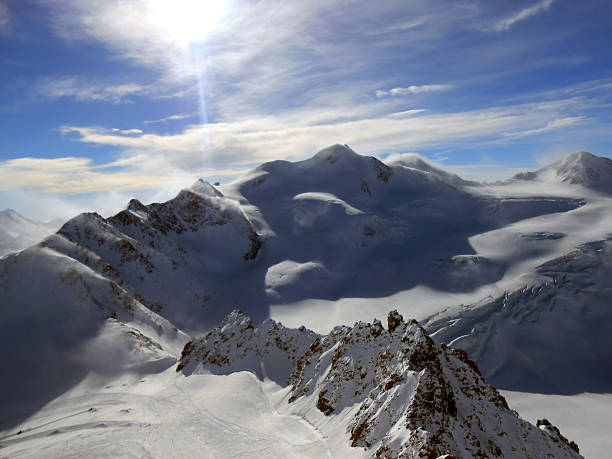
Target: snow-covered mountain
{"points": [[171, 256], [329, 240], [391, 392], [290, 231], [18, 232], [328, 216], [580, 168]]}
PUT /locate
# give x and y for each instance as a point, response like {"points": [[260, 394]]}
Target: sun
{"points": [[186, 22]]}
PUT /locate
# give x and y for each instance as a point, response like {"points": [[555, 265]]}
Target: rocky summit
{"points": [[396, 392]]}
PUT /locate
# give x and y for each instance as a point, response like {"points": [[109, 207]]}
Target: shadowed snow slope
{"points": [[345, 212], [551, 337], [388, 392], [60, 320]]}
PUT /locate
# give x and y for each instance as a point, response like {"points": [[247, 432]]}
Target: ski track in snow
{"points": [[199, 416]]}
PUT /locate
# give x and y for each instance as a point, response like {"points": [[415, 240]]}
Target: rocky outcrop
{"points": [[163, 254], [199, 207], [406, 395], [270, 350]]}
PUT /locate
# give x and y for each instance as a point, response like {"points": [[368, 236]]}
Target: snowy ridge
{"points": [[529, 327], [269, 350], [407, 395], [195, 209], [165, 254], [414, 161]]}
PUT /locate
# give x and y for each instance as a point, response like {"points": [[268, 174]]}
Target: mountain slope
{"points": [[60, 321], [394, 391], [532, 338], [169, 255], [414, 161]]}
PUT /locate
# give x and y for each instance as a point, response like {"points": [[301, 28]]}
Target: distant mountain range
{"points": [[18, 232], [581, 168]]}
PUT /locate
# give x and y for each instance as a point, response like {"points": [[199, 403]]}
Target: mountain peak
{"points": [[8, 212], [335, 153], [582, 155], [14, 215], [579, 168], [586, 169]]}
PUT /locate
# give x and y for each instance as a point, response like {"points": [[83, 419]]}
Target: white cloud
{"points": [[405, 113], [413, 90], [127, 131], [171, 118], [507, 22], [550, 126], [87, 91], [262, 54], [241, 144]]}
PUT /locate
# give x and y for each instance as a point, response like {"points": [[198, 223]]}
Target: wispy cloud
{"points": [[170, 118], [301, 48], [242, 144], [87, 91], [84, 90], [5, 18], [127, 131], [413, 89], [550, 126], [79, 175], [402, 114], [504, 24]]}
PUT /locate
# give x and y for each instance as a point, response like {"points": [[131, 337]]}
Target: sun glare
{"points": [[186, 21]]}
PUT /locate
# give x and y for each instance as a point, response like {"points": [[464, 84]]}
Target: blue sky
{"points": [[104, 100]]}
